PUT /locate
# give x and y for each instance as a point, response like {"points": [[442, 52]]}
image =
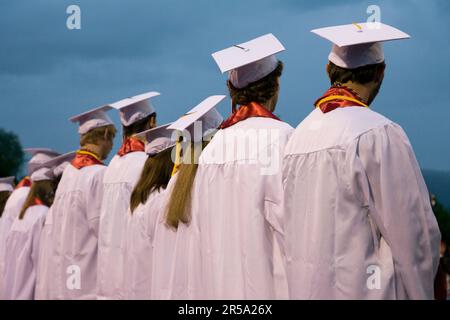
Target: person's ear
{"points": [[152, 122], [327, 69]]}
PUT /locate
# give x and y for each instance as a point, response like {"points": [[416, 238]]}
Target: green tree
{"points": [[11, 154]]}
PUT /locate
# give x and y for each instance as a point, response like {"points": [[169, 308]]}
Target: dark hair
{"points": [[4, 195], [259, 91], [138, 126], [360, 75], [155, 175], [43, 190]]}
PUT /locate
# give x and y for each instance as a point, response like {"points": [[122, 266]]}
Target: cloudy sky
{"points": [[126, 47]]}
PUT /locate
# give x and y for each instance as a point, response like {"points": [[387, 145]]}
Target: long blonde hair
{"points": [[178, 208]]}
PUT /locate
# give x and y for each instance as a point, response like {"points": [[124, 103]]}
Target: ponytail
{"points": [[179, 206]]}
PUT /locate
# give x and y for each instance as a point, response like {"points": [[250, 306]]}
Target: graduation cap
{"points": [[45, 170], [358, 44], [135, 108], [59, 163], [42, 170], [205, 113], [6, 184], [157, 139], [38, 157], [92, 119], [250, 61]]}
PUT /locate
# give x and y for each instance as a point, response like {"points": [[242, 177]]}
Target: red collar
{"points": [[25, 182], [338, 97], [84, 159], [36, 202], [131, 144], [251, 110]]}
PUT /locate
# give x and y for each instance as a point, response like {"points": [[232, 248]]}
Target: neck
{"points": [[134, 137], [95, 149], [363, 91], [269, 105]]}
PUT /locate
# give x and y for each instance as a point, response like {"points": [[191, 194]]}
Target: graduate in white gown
{"points": [[237, 193], [23, 241], [170, 270], [76, 209], [136, 115], [175, 259], [45, 284], [46, 263], [16, 200], [164, 243], [146, 205], [6, 188], [358, 219]]}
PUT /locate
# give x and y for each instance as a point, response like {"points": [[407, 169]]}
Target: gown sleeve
{"points": [[273, 188], [36, 239], [94, 201], [392, 187]]}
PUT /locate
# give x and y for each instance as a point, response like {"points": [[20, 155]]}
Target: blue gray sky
{"points": [[49, 73]]}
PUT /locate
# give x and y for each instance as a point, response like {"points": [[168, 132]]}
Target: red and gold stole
{"points": [[85, 158], [251, 110], [25, 182], [36, 202], [338, 97], [131, 144]]}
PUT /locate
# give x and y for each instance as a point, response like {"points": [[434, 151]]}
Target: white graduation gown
{"points": [[45, 268], [22, 254], [358, 219], [164, 244], [120, 178], [76, 212], [227, 251], [186, 278], [140, 266], [138, 258], [10, 213]]}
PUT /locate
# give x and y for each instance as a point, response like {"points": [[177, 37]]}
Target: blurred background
{"points": [[49, 73]]}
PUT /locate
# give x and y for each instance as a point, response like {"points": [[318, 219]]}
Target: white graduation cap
{"points": [[43, 166], [39, 156], [135, 108], [205, 114], [6, 184], [359, 44], [250, 61], [46, 170], [59, 163], [92, 119], [157, 139]]}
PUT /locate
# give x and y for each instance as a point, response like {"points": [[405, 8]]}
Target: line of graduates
{"points": [[245, 207]]}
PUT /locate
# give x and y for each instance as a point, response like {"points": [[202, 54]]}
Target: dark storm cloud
{"points": [[48, 73]]}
